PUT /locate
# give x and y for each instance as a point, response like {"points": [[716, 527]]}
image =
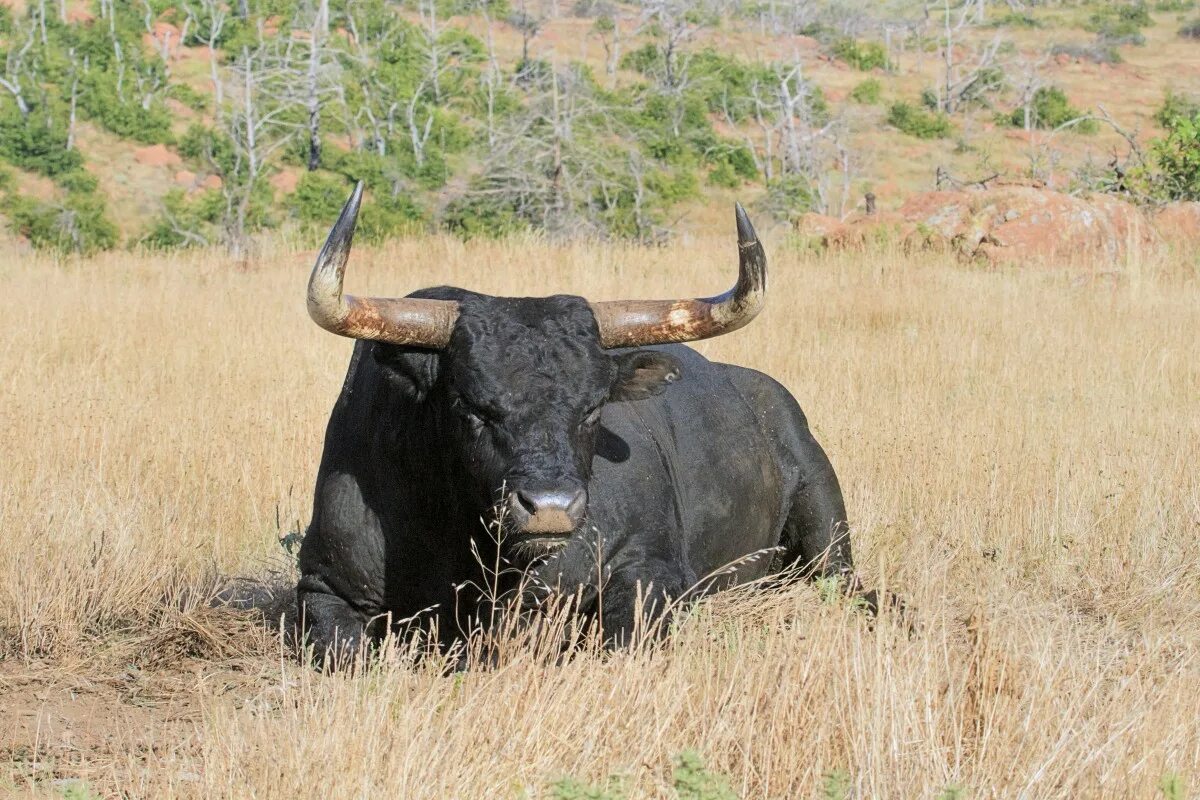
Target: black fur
{"points": [[689, 465]]}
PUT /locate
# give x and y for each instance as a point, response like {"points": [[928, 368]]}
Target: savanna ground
{"points": [[1018, 451]]}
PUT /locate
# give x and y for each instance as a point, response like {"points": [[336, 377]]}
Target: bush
{"points": [[184, 221], [861, 55], [918, 122], [1177, 158], [319, 198], [197, 101], [78, 225], [1099, 52], [79, 181], [1015, 19], [1175, 107], [1121, 23], [1050, 109], [478, 215], [100, 101], [1191, 30], [387, 217], [31, 144], [869, 92], [788, 196]]}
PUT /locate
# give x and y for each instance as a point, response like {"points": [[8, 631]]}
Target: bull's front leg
{"points": [[335, 630], [640, 603]]}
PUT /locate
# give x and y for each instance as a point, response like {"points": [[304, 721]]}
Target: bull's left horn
{"points": [[405, 321], [636, 323]]}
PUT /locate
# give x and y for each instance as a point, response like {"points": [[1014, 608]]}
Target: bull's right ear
{"points": [[411, 371], [643, 373]]}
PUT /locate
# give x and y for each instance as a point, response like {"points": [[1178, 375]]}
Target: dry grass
{"points": [[1018, 451]]}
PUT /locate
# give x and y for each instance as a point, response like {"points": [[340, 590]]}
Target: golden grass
{"points": [[1018, 452]]}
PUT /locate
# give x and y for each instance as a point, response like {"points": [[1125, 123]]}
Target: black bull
{"points": [[657, 464]]}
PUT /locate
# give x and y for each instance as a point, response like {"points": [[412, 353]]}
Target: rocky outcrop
{"points": [[1012, 224]]}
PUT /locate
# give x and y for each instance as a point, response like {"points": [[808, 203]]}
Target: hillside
{"points": [[167, 123]]}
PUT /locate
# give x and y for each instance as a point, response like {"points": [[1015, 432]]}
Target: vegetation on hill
{"points": [[277, 106]]}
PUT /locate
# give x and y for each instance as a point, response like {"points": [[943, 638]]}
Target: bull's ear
{"points": [[411, 371], [643, 373]]}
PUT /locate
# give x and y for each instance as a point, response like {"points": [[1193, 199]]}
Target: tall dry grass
{"points": [[1018, 452]]}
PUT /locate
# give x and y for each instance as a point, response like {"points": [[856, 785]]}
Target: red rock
{"points": [[185, 178], [1018, 223], [156, 155], [1179, 223]]}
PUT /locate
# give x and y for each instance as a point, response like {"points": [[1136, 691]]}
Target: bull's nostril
{"points": [[527, 502]]}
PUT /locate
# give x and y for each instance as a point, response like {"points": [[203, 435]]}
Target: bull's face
{"points": [[526, 381], [518, 383]]}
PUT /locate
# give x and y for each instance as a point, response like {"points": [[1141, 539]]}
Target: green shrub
{"points": [[1050, 109], [861, 55], [78, 225], [694, 781], [387, 217], [571, 789], [1176, 106], [319, 198], [197, 101], [1099, 52], [185, 221], [869, 92], [1121, 24], [477, 215], [1177, 158], [79, 181], [918, 122], [836, 785], [33, 145], [1015, 19], [789, 196], [208, 147], [100, 100]]}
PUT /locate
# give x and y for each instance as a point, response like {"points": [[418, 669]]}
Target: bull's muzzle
{"points": [[555, 510]]}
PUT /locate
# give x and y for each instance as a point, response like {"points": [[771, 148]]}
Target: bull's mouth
{"points": [[535, 546]]}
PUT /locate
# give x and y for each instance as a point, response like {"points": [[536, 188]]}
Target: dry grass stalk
{"points": [[1018, 452]]}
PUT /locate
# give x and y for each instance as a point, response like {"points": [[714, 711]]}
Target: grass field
{"points": [[1019, 455]]}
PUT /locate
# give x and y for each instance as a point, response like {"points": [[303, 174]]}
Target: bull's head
{"points": [[521, 381]]}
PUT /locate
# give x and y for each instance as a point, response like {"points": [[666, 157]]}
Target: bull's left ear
{"points": [[644, 373]]}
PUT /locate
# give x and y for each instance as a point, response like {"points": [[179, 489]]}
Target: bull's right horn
{"points": [[404, 321]]}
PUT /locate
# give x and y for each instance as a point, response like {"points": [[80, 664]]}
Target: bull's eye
{"points": [[474, 419]]}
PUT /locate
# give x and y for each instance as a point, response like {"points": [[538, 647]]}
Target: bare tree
{"points": [[971, 77], [15, 67], [256, 126], [796, 144], [320, 79], [563, 164], [209, 17]]}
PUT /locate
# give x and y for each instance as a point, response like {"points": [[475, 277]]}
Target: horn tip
{"points": [[746, 234]]}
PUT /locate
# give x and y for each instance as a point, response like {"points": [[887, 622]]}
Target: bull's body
{"points": [[625, 477], [718, 467]]}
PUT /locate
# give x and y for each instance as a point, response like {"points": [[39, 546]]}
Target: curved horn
{"points": [[396, 320], [636, 323]]}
